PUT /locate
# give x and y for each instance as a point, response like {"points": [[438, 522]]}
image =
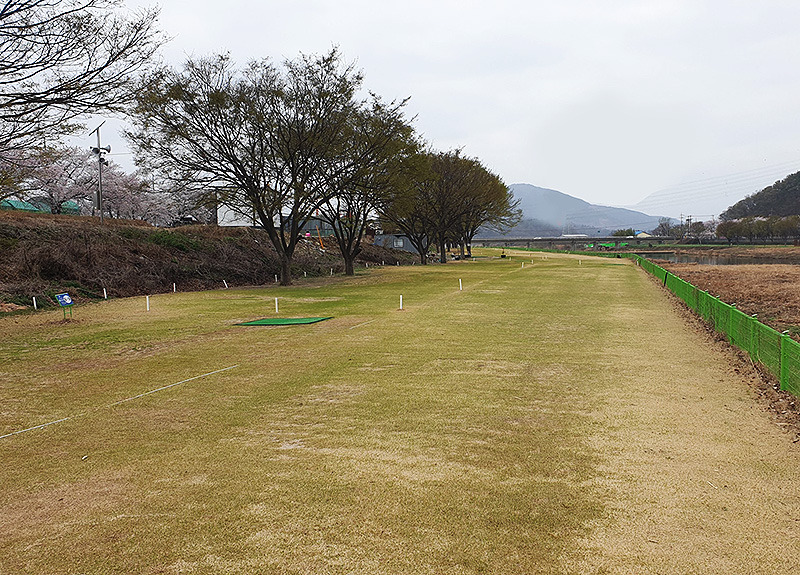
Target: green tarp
{"points": [[284, 321]]}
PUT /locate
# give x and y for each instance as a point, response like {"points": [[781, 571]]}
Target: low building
{"points": [[394, 241]]}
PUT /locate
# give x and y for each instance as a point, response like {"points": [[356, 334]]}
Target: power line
{"points": [[718, 186]]}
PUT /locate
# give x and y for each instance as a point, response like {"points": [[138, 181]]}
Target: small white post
{"points": [[398, 263], [580, 262], [331, 272], [401, 302], [383, 262], [367, 263], [276, 305], [226, 284], [105, 294], [147, 298], [523, 265], [305, 274], [276, 278], [34, 303], [174, 287], [459, 285]]}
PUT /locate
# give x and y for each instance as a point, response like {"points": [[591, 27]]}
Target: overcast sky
{"points": [[608, 101]]}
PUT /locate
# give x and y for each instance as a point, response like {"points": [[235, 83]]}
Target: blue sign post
{"points": [[66, 303]]}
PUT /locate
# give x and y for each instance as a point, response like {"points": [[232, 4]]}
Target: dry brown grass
{"points": [[769, 290], [532, 423]]}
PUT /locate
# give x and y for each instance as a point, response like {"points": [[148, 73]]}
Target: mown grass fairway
{"points": [[476, 431]]}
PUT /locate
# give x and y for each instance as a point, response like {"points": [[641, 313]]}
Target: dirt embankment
{"points": [[41, 255]]}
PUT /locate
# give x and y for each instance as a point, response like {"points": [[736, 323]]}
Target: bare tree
{"points": [[489, 203], [371, 162], [263, 140], [407, 209], [60, 59], [664, 228]]}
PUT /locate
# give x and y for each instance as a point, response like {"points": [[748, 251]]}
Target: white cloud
{"points": [[608, 101]]}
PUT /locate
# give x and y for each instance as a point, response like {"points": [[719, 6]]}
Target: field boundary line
{"points": [[117, 402]]}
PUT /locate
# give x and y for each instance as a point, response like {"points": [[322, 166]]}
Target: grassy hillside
{"points": [[41, 255]]}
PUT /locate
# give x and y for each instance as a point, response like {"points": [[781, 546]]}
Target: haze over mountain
{"points": [[708, 197], [551, 213]]}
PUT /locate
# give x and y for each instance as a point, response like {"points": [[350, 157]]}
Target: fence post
{"points": [[784, 377], [753, 327]]}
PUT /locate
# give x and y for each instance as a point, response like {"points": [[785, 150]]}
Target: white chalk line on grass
{"points": [[117, 402], [365, 323]]}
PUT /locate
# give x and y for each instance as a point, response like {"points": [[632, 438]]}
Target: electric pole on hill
{"points": [[101, 161]]}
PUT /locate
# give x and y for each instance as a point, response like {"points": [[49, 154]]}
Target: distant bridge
{"points": [[573, 242]]}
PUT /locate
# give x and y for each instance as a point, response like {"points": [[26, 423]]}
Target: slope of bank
{"points": [[41, 255]]}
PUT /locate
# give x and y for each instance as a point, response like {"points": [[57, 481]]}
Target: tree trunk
{"points": [[442, 252], [286, 270], [349, 265]]}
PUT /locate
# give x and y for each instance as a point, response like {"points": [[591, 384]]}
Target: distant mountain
{"points": [[549, 212], [780, 199]]}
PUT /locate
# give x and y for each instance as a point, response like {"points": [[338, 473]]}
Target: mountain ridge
{"points": [[546, 211]]}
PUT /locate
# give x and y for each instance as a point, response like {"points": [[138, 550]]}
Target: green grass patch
{"points": [[285, 321], [176, 240]]}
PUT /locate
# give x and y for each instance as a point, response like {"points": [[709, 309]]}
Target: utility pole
{"points": [[101, 161]]}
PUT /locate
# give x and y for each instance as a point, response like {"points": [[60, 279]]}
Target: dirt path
{"points": [[699, 476]]}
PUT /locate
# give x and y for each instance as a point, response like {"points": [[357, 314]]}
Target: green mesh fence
{"points": [[779, 353]]}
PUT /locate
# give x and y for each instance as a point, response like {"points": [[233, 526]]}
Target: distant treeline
{"points": [[754, 229]]}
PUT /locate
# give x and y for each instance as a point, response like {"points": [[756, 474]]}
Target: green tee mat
{"points": [[284, 321]]}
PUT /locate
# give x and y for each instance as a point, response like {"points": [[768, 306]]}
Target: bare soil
{"points": [[768, 290]]}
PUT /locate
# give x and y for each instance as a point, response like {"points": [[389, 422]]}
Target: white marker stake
{"points": [[367, 265], [304, 275], [226, 284], [401, 302], [331, 272], [523, 265], [398, 263], [174, 287], [34, 303], [580, 262], [276, 278], [459, 285], [147, 297], [383, 263], [276, 305], [105, 294]]}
